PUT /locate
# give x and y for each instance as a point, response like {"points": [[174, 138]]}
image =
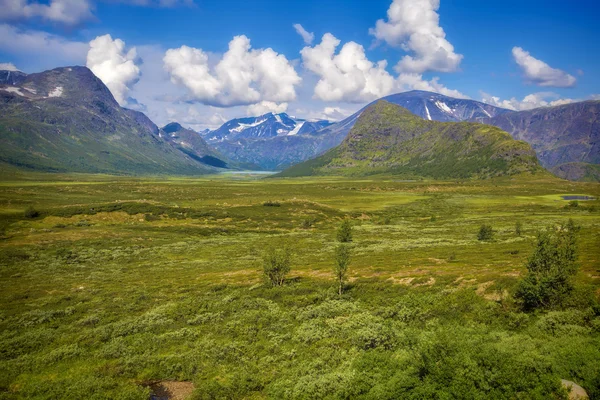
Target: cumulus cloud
{"points": [[116, 67], [346, 76], [243, 76], [534, 100], [68, 12], [416, 82], [414, 26], [264, 107], [308, 37], [539, 73], [349, 76], [49, 49], [8, 67]]}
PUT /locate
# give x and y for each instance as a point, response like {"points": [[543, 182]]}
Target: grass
{"points": [[98, 299]]}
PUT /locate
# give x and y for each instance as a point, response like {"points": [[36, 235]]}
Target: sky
{"points": [[201, 62]]}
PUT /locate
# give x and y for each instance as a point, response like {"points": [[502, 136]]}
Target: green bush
{"points": [[550, 269], [277, 264], [31, 213], [485, 233], [271, 204], [344, 232]]}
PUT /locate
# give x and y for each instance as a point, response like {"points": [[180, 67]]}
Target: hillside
{"points": [[581, 172], [66, 120], [388, 139], [561, 134]]}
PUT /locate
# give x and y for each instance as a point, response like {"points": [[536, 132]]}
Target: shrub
{"points": [[307, 223], [276, 264], [485, 232], [344, 232], [550, 268], [518, 228], [31, 213], [340, 269], [271, 204]]}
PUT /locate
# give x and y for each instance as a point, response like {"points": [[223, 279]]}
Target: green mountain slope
{"points": [[66, 120], [388, 139]]}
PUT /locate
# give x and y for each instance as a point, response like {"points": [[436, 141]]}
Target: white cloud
{"points": [[243, 76], [350, 77], [43, 47], [346, 76], [308, 37], [264, 107], [414, 26], [534, 100], [116, 67], [68, 12], [8, 67], [540, 73], [416, 82]]}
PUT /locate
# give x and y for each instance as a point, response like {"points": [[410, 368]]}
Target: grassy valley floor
{"points": [[121, 282]]}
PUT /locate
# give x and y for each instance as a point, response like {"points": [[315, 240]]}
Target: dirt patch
{"points": [[170, 390]]}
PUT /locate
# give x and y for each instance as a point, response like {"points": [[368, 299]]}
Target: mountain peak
{"points": [[172, 127]]}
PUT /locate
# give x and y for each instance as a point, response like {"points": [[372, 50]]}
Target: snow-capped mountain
{"points": [[437, 107], [265, 126]]}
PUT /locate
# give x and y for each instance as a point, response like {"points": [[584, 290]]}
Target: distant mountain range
{"points": [[267, 140], [66, 119], [388, 139], [270, 141]]}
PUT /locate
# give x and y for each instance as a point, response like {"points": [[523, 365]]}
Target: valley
{"points": [[118, 282]]}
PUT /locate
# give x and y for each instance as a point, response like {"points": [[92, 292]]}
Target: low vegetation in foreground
{"points": [[378, 289]]}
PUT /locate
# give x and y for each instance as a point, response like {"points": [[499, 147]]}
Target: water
{"points": [[575, 197]]}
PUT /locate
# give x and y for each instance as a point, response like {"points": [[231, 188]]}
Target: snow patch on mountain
{"points": [[243, 126], [56, 92], [296, 129]]}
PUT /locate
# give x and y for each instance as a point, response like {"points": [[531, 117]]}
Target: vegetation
{"points": [[340, 269], [550, 269], [276, 264], [344, 232], [486, 232], [518, 228], [97, 301]]}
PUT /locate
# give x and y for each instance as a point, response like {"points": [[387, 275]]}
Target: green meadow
{"points": [[112, 284]]}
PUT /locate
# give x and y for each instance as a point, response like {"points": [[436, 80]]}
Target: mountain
{"points": [[265, 126], [67, 120], [192, 144], [389, 139], [270, 141], [12, 77], [568, 133], [582, 172]]}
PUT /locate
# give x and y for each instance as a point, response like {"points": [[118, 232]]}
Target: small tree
{"points": [[550, 268], [485, 232], [518, 228], [276, 264], [342, 260], [344, 232]]}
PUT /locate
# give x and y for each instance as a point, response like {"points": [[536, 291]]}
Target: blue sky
{"points": [[515, 54]]}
